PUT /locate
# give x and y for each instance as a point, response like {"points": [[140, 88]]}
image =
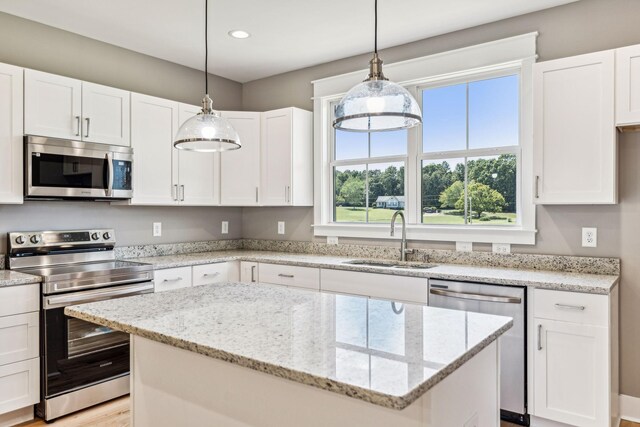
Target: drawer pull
{"points": [[216, 274], [571, 307], [177, 279], [539, 337], [288, 276]]}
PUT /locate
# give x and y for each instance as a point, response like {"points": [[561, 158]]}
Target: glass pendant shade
{"points": [[377, 105]]}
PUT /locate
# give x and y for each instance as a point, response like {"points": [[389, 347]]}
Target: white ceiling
{"points": [[286, 34]]}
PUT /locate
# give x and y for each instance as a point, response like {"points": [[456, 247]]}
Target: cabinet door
{"points": [[172, 278], [571, 374], [240, 169], [52, 105], [11, 132], [19, 337], [574, 130], [276, 157], [19, 385], [105, 114], [248, 271], [154, 122], [198, 173], [628, 86], [386, 286]]}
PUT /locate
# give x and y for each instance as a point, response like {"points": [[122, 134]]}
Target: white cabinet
{"points": [[287, 158], [61, 107], [386, 286], [105, 114], [248, 271], [290, 275], [574, 130], [628, 86], [172, 278], [154, 122], [575, 371], [221, 272], [19, 337], [11, 133], [19, 385], [240, 169]]}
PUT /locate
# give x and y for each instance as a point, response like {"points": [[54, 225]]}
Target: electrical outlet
{"points": [[157, 229], [589, 237], [280, 227], [464, 246], [501, 248], [332, 240], [225, 227]]}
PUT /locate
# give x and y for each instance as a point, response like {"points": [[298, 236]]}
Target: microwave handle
{"points": [[110, 177]]}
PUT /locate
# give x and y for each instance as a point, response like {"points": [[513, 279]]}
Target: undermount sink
{"points": [[389, 264]]}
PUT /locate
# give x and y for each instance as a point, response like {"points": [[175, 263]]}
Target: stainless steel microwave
{"points": [[65, 169]]}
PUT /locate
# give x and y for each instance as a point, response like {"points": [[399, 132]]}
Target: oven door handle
{"points": [[110, 174], [476, 297], [95, 295]]}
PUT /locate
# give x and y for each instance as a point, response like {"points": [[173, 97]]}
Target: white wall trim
{"points": [[630, 408]]}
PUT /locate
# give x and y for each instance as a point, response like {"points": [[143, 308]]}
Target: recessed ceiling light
{"points": [[239, 34]]}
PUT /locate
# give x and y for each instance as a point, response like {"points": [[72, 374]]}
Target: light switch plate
{"points": [[157, 229], [464, 246], [225, 227], [332, 240], [280, 227], [501, 248], [589, 237]]}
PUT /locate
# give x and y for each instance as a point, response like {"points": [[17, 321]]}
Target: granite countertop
{"points": [[555, 280], [381, 352], [13, 278]]}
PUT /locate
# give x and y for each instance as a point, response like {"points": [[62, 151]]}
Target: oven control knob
{"points": [[106, 235], [20, 240], [35, 239], [95, 236]]}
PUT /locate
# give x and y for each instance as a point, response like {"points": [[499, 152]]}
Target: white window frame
{"points": [[501, 57]]}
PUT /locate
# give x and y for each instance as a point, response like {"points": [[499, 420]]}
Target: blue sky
{"points": [[493, 121]]}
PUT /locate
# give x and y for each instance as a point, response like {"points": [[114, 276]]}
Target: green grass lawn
{"points": [[347, 214]]}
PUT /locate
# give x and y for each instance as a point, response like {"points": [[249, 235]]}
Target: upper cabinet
{"points": [[61, 107], [11, 134], [287, 158], [240, 169], [628, 86], [574, 130]]}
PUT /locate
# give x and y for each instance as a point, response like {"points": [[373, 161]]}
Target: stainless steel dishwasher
{"points": [[504, 301]]}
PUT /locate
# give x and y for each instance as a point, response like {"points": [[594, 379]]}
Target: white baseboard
{"points": [[630, 408]]}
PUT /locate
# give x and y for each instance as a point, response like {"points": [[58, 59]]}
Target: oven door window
{"points": [[80, 353], [64, 171]]}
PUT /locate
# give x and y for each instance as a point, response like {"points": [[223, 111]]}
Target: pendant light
{"points": [[207, 131], [377, 104]]}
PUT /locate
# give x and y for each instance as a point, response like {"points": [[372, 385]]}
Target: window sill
{"points": [[478, 234]]}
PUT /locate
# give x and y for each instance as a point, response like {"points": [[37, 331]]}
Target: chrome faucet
{"points": [[403, 246]]}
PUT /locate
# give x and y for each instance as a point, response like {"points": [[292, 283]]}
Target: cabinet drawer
{"points": [[172, 278], [300, 277], [19, 299], [572, 307], [19, 385], [18, 337], [210, 273], [386, 286]]}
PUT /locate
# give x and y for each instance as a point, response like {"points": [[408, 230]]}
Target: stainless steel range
{"points": [[83, 364]]}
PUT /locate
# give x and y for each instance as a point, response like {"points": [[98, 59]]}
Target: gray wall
{"points": [[585, 26], [33, 45]]}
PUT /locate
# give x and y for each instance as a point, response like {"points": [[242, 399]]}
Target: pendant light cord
{"points": [[375, 20], [206, 46]]}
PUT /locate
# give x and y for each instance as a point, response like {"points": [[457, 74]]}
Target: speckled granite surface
{"points": [[176, 248], [323, 340], [13, 278], [556, 280]]}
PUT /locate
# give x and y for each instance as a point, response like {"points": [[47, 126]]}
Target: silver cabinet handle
{"points": [[571, 307], [216, 274], [177, 279], [539, 337], [88, 120], [537, 186], [174, 192], [288, 194], [182, 193], [475, 297], [288, 276], [77, 125], [256, 194], [253, 273]]}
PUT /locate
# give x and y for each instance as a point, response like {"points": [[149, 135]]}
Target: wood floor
{"points": [[116, 414]]}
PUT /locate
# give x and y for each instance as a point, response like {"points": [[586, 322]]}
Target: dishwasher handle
{"points": [[475, 297]]}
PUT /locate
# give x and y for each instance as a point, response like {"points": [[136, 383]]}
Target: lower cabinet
{"points": [[19, 385], [290, 275], [198, 275], [172, 278], [248, 272]]}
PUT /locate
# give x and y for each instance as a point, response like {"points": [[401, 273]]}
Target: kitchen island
{"points": [[259, 355]]}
